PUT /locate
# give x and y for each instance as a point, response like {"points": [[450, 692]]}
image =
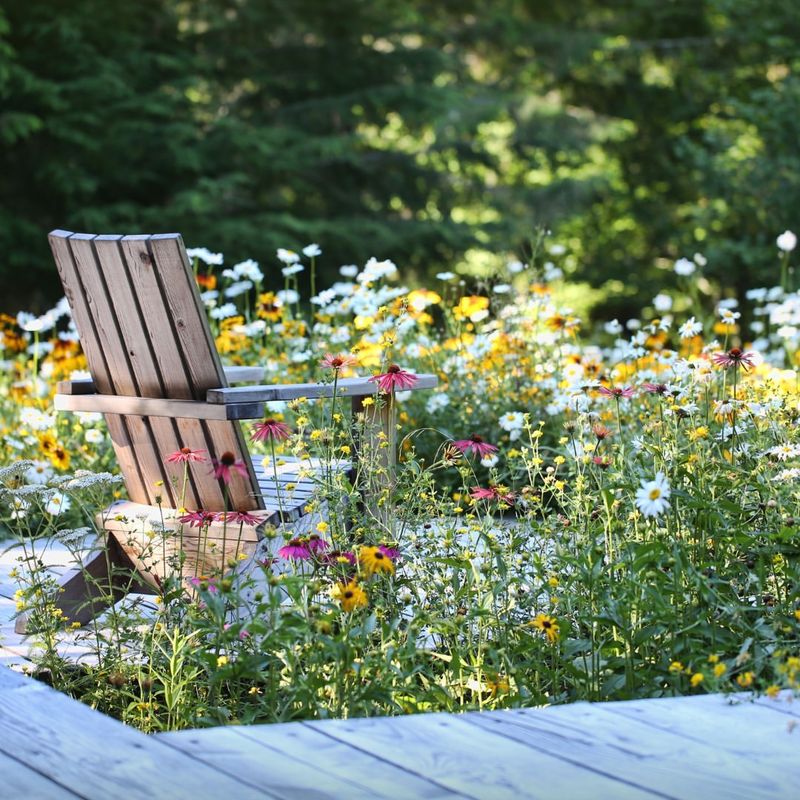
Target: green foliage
{"points": [[428, 133]]}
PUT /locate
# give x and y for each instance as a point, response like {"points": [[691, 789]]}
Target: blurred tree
{"points": [[638, 130], [95, 127]]}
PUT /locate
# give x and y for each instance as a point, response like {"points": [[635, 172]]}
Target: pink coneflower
{"points": [[477, 444], [239, 518], [491, 493], [735, 358], [226, 465], [296, 549], [270, 429], [394, 378], [333, 557], [316, 544], [600, 431], [655, 388], [202, 582], [617, 391], [392, 553], [197, 519], [338, 361], [185, 455], [600, 461]]}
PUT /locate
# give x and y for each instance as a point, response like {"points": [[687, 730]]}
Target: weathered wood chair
{"points": [[159, 382]]}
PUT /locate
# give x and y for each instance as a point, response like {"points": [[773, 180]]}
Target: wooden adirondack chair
{"points": [[159, 382]]}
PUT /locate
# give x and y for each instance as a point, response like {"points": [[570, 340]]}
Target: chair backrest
{"points": [[145, 333]]}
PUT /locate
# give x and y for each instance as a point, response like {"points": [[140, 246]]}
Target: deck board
{"points": [[292, 761], [475, 762], [94, 756], [678, 748], [691, 747]]}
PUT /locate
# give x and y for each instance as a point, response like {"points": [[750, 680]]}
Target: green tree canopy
{"points": [[433, 134]]}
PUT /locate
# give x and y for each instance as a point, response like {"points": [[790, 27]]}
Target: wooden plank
{"points": [[140, 361], [455, 754], [347, 387], [156, 407], [232, 375], [73, 289], [109, 306], [784, 703], [656, 759], [97, 757], [292, 761], [170, 265], [18, 780], [184, 351], [745, 729], [102, 275]]}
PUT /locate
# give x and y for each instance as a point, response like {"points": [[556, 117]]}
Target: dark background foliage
{"points": [[430, 133]]}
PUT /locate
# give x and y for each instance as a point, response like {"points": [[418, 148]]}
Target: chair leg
{"points": [[87, 591]]}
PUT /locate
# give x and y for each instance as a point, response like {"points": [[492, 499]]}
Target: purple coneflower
{"points": [[394, 378], [477, 444], [270, 429], [226, 465], [617, 391], [239, 517], [185, 455], [735, 358], [296, 549], [655, 388], [316, 544], [491, 493], [197, 519], [391, 553], [202, 582], [600, 431], [338, 557], [337, 362]]}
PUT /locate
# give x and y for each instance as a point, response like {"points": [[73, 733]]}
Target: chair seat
{"points": [[297, 482]]}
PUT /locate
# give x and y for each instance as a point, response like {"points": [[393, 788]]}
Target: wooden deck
{"points": [[696, 747]]}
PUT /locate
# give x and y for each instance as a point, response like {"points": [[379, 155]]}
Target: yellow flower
{"points": [[473, 307], [547, 625], [267, 308], [700, 432], [713, 659], [350, 595], [373, 560], [773, 691], [222, 661], [59, 457], [719, 670], [498, 685], [254, 690], [797, 614], [745, 679], [697, 679], [322, 527], [676, 666]]}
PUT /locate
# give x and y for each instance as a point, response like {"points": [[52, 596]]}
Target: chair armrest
{"points": [[346, 387], [156, 407], [232, 375]]}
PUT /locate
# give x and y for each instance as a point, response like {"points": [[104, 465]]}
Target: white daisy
{"points": [[652, 498]]}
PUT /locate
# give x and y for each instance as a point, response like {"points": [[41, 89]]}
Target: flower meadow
{"points": [[579, 511]]}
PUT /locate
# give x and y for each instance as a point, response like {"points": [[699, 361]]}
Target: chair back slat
{"points": [[98, 365], [145, 334]]}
